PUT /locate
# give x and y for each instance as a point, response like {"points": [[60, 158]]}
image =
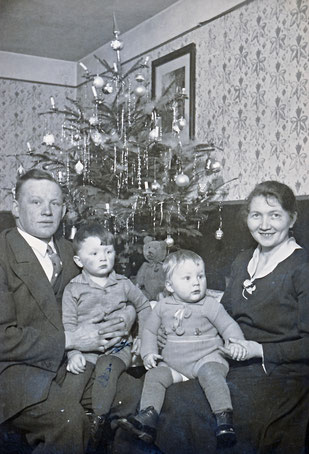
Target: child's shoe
{"points": [[96, 430], [225, 432], [143, 425]]}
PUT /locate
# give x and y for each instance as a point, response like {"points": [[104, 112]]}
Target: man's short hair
{"points": [[176, 258], [33, 174], [89, 230]]}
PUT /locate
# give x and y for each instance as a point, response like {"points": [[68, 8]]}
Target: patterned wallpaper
{"points": [[20, 122], [252, 87], [251, 97]]}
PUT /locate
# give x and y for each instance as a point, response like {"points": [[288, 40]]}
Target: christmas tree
{"points": [[119, 166]]}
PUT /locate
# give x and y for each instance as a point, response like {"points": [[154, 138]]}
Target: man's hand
{"points": [[76, 363], [100, 335], [150, 360]]}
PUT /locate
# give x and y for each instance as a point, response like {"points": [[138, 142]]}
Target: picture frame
{"points": [[173, 74]]}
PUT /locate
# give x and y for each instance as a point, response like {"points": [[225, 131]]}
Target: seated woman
{"points": [[268, 295]]}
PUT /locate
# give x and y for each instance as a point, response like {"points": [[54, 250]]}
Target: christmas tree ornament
{"points": [[76, 137], [182, 123], [20, 170], [154, 134], [216, 166], [49, 139], [119, 147], [117, 44], [169, 241], [182, 180], [93, 120], [140, 91], [98, 82], [139, 78], [155, 185], [108, 89], [212, 166], [219, 233], [79, 167], [176, 128], [97, 138]]}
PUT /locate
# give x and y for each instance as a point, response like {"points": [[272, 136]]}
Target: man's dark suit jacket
{"points": [[32, 341]]}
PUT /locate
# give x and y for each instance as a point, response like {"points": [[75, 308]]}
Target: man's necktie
{"points": [[57, 265]]}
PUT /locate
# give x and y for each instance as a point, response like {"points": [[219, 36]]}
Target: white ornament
{"points": [[182, 122], [98, 82], [140, 90], [155, 185], [20, 170], [139, 78], [117, 44], [176, 128], [154, 134], [212, 166], [97, 138], [49, 139], [108, 89], [93, 120], [219, 234], [216, 166], [79, 167], [169, 241], [182, 180]]}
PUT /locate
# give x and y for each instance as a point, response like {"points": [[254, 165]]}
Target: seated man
{"points": [[37, 394]]}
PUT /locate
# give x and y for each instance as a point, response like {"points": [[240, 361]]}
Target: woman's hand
{"points": [[150, 360], [253, 349], [237, 352]]}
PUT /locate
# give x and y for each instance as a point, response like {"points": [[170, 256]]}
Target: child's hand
{"points": [[150, 360], [76, 363], [237, 352], [136, 347]]}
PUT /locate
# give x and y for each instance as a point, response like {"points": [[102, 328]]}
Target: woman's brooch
{"points": [[248, 286]]}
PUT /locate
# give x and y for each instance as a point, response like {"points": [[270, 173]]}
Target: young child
{"points": [[194, 325], [99, 291]]}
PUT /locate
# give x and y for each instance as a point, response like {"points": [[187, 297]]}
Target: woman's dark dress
{"points": [[271, 411]]}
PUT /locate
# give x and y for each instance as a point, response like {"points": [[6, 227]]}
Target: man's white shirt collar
{"points": [[39, 248], [36, 243]]}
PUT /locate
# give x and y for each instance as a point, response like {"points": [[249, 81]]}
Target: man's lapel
{"points": [[29, 270]]}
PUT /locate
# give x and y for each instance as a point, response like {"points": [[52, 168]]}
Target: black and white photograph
{"points": [[154, 240]]}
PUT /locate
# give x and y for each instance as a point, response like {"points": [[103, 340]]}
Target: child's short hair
{"points": [[89, 230], [176, 258]]}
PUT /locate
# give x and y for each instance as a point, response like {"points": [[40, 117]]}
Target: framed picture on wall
{"points": [[173, 78]]}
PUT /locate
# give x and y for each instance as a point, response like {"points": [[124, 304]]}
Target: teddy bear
{"points": [[150, 276]]}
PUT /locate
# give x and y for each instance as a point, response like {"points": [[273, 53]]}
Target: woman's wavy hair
{"points": [[273, 189]]}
